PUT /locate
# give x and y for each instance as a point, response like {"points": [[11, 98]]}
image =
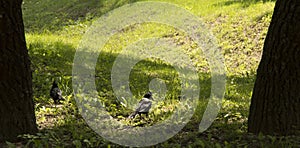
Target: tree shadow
{"points": [[54, 16], [52, 60], [244, 3], [229, 126], [222, 129], [48, 64]]}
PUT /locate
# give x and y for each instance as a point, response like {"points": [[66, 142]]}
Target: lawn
{"points": [[54, 30]]}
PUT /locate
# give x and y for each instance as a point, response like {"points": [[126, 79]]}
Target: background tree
{"points": [[275, 105], [16, 104]]}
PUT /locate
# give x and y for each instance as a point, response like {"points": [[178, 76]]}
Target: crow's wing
{"points": [[144, 106], [56, 93]]}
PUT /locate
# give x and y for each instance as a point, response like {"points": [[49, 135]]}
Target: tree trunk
{"points": [[16, 104], [275, 104]]}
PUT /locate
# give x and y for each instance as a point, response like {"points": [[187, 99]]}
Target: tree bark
{"points": [[275, 104], [16, 103]]}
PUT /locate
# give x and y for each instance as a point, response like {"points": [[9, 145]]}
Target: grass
{"points": [[55, 28]]}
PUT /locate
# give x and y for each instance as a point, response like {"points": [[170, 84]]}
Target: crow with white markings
{"points": [[56, 93], [144, 105]]}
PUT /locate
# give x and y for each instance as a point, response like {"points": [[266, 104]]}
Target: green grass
{"points": [[55, 28]]}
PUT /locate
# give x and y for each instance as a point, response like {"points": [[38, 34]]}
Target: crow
{"points": [[144, 105], [55, 93]]}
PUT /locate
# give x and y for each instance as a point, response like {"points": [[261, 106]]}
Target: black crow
{"points": [[144, 105], [55, 93]]}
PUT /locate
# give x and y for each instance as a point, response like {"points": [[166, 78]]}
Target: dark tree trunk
{"points": [[275, 104], [16, 104]]}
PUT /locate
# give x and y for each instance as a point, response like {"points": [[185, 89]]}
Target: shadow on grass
{"points": [[244, 3], [54, 59], [49, 15], [230, 126]]}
